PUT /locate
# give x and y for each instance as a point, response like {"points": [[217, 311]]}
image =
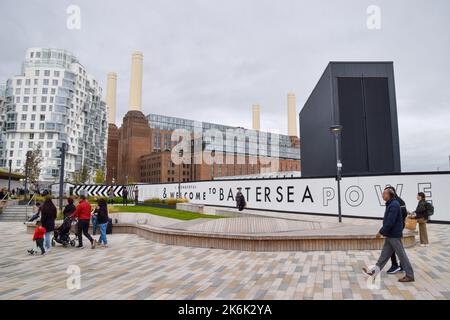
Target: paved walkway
{"points": [[134, 268]]}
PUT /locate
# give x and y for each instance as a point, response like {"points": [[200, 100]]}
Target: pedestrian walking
{"points": [[48, 217], [125, 196], [395, 266], [69, 208], [38, 238], [136, 195], [83, 213], [111, 195], [102, 219], [240, 200], [392, 231]]}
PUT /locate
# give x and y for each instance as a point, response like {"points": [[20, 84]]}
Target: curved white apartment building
{"points": [[54, 100]]}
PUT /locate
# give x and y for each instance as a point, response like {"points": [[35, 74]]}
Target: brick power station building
{"points": [[141, 149]]}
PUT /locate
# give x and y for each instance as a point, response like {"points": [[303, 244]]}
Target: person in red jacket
{"points": [[83, 212], [38, 237]]}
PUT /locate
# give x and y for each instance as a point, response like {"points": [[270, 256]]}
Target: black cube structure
{"points": [[360, 96]]}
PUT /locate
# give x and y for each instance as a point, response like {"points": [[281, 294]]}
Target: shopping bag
{"points": [[410, 223]]}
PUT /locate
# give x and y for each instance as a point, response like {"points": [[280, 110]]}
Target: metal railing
{"points": [[3, 202], [28, 206]]}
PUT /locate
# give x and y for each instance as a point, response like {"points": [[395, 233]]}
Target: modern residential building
{"points": [[2, 119], [54, 100]]}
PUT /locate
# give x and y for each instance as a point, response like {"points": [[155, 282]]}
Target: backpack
{"points": [[430, 209], [403, 210]]}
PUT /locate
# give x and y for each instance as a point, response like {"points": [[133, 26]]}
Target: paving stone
{"points": [[135, 268]]}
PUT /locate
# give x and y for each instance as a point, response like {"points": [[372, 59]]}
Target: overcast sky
{"points": [[211, 60]]}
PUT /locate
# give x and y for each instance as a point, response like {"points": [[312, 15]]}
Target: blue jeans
{"points": [[103, 233], [94, 224], [48, 240]]}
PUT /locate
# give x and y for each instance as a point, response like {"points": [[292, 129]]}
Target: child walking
{"points": [[38, 238]]}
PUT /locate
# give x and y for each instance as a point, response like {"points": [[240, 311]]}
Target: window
{"points": [[33, 117], [46, 73], [36, 73], [27, 82], [55, 82], [17, 90], [26, 91], [19, 82], [31, 126], [31, 54], [38, 54], [56, 73], [35, 82], [43, 108], [44, 99], [25, 107], [46, 82], [34, 107], [26, 99], [22, 126], [30, 145], [44, 90], [24, 117], [42, 117]]}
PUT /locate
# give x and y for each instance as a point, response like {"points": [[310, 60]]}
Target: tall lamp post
{"points": [[180, 153], [9, 176], [336, 131], [27, 174]]}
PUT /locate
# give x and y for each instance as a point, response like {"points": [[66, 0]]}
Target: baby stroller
{"points": [[61, 234]]}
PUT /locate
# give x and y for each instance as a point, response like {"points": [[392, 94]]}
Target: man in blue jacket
{"points": [[392, 229]]}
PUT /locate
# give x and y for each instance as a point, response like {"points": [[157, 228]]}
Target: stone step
{"points": [[13, 219]]}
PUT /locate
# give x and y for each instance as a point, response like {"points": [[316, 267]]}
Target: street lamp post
{"points": [[180, 153], [9, 176], [27, 173], [336, 131]]}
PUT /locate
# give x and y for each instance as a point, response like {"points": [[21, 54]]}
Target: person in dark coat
{"points": [[392, 230], [421, 215], [69, 208], [395, 266], [125, 196], [48, 216], [240, 200], [102, 219]]}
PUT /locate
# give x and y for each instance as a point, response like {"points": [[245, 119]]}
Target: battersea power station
{"points": [[142, 149]]}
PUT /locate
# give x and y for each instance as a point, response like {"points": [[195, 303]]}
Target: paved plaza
{"points": [[135, 268]]}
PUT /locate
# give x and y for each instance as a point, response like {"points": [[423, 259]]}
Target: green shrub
{"points": [[153, 200]]}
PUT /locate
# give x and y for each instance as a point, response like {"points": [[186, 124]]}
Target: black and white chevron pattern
{"points": [[96, 190]]}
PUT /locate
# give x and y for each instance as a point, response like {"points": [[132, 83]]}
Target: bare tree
{"points": [[33, 164], [81, 176]]}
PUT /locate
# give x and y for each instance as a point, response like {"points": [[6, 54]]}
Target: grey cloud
{"points": [[211, 59]]}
